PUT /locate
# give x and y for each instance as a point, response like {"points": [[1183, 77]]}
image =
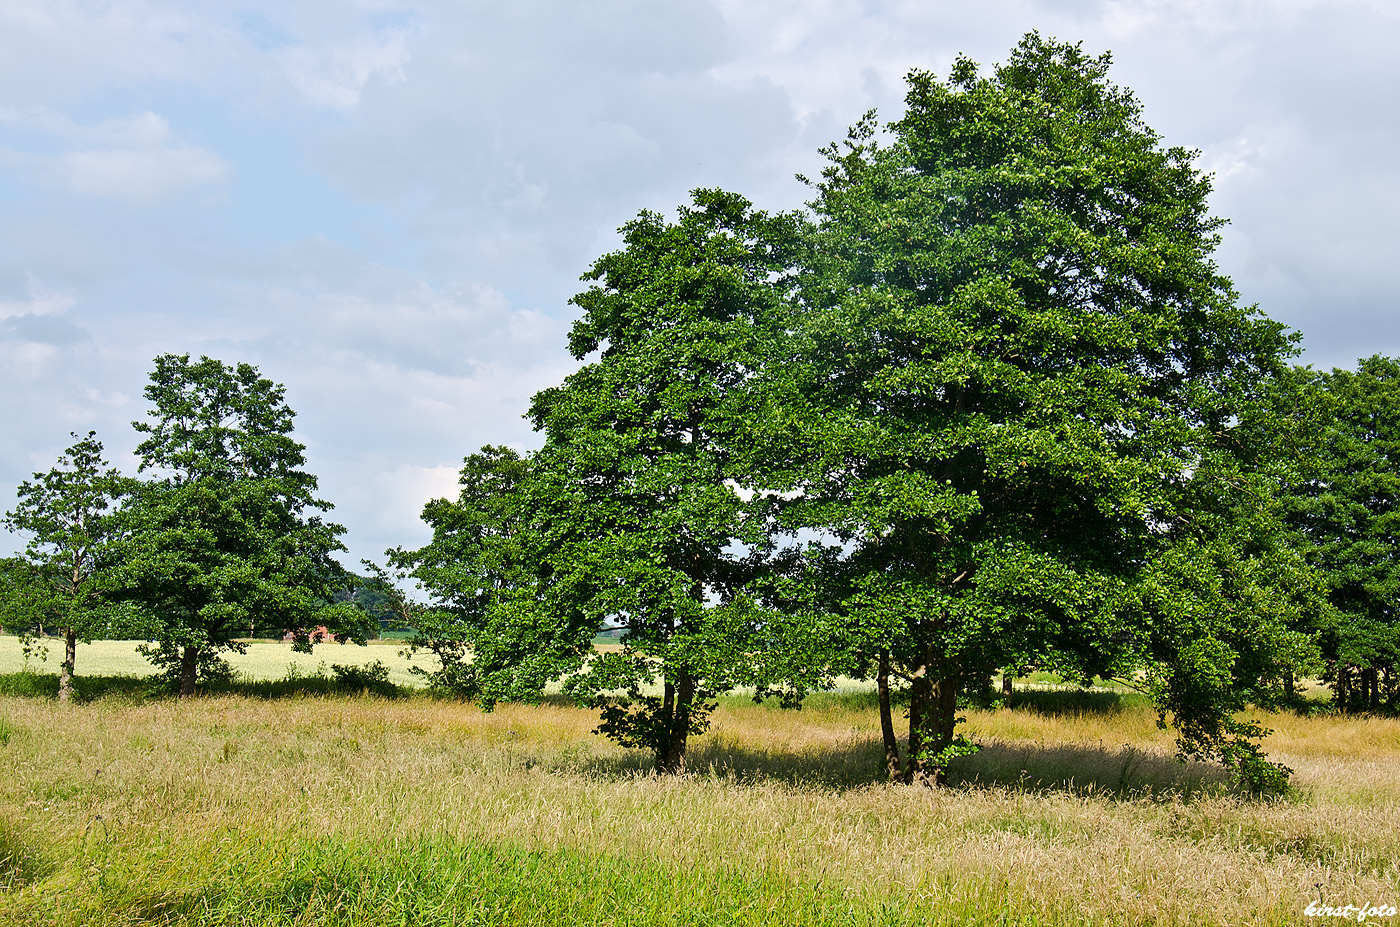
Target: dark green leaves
{"points": [[224, 544]]}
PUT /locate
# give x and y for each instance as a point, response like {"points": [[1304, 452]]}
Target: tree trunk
{"points": [[933, 713], [1374, 688], [65, 669], [189, 666], [676, 704], [893, 766], [1007, 689], [1288, 692], [920, 698]]}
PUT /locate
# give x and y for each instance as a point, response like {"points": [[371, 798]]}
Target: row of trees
{"points": [[986, 404], [222, 539], [1344, 505]]}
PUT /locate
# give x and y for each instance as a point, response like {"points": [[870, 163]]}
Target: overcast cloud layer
{"points": [[386, 205]]}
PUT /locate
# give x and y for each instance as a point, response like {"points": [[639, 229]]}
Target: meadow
{"points": [[345, 809], [265, 659]]}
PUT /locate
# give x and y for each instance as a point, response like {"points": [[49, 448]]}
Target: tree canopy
{"points": [[1346, 508], [227, 540], [629, 517], [496, 625], [1020, 377]]}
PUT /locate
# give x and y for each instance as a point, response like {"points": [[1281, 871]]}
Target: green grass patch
{"points": [[254, 882], [20, 863]]}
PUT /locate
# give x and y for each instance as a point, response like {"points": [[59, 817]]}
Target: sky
{"points": [[386, 205]]}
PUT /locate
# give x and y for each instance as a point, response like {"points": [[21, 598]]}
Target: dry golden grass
{"points": [[1061, 820]]}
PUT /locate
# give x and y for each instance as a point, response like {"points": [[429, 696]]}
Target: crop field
{"points": [[250, 810], [265, 660]]}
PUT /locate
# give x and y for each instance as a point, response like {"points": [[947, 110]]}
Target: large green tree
{"points": [[68, 516], [1015, 403], [1346, 508], [227, 540]]}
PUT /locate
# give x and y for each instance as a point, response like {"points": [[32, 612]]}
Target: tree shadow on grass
{"points": [[85, 688], [1117, 773], [1053, 702], [1121, 772], [841, 768], [1069, 702]]}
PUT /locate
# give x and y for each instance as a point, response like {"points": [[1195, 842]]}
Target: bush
{"points": [[372, 677]]}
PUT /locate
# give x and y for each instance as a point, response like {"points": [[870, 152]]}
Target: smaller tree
{"points": [[224, 544], [67, 513], [644, 447]]}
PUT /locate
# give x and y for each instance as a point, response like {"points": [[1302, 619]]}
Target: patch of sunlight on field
{"points": [[265, 660]]}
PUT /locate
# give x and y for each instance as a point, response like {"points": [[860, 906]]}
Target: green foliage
{"points": [[66, 578], [629, 518], [495, 624], [224, 543], [1346, 510], [373, 596], [990, 404], [371, 677], [650, 532], [1020, 403], [24, 597]]}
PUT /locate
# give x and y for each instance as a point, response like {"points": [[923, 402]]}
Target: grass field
{"points": [[265, 660], [353, 810]]}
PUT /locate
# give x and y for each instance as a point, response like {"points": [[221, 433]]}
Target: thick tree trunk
{"points": [[1007, 687], [676, 704], [65, 669], [189, 666], [1288, 691], [893, 766], [933, 713]]}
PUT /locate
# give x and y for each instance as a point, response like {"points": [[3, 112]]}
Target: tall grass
{"points": [[357, 810]]}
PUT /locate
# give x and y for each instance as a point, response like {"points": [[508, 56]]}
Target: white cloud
{"points": [[135, 157], [334, 76], [39, 301], [1248, 152], [140, 173], [1212, 19], [395, 496]]}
